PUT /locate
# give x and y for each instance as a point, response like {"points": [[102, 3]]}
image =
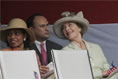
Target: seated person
{"points": [[17, 35], [73, 27], [40, 26]]}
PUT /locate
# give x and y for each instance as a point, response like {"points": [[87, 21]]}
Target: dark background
{"points": [[96, 12]]}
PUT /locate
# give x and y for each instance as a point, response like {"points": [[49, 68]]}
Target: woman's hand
{"points": [[104, 73], [43, 70]]}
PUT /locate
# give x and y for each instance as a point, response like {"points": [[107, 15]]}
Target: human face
{"points": [[15, 38], [71, 31], [41, 28]]}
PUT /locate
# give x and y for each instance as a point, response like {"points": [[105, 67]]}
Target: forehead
{"points": [[14, 30], [40, 20], [66, 23]]}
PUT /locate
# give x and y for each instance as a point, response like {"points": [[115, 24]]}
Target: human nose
{"points": [[66, 28], [47, 28], [12, 36]]}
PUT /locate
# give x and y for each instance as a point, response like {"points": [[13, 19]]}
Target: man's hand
{"points": [[43, 70]]}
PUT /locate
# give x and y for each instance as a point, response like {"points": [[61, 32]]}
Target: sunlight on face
{"points": [[71, 30]]}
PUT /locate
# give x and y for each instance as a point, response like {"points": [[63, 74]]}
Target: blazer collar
{"points": [[74, 46], [89, 47]]}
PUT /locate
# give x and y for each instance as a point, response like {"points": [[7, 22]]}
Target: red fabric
{"points": [[95, 11], [44, 55], [11, 49]]}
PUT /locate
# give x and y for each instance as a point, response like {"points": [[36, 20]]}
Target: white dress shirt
{"points": [[38, 45]]}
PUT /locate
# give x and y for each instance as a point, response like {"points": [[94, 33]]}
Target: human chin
{"points": [[47, 36], [70, 38], [14, 45]]}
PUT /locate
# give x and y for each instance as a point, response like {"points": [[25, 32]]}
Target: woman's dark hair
{"points": [[26, 42], [80, 26]]}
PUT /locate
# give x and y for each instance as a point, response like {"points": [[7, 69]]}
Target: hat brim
{"points": [[58, 24], [3, 34]]}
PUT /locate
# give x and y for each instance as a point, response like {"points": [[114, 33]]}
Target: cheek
{"points": [[38, 33], [39, 30], [64, 32], [8, 39], [36, 30], [47, 28], [21, 38]]}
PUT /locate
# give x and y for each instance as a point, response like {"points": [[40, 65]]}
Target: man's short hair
{"points": [[30, 20]]}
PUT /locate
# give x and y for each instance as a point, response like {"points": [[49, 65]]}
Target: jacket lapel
{"points": [[48, 46], [89, 47], [73, 46]]}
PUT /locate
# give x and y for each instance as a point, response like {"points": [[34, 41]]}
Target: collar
{"points": [[74, 46], [38, 43]]}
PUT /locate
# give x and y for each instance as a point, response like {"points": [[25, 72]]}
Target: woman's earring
{"points": [[24, 39]]}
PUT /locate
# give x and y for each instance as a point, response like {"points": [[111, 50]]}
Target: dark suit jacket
{"points": [[49, 45]]}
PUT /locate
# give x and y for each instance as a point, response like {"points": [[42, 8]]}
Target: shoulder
{"points": [[93, 47], [66, 48], [70, 46], [91, 44], [48, 42], [32, 46], [6, 49]]}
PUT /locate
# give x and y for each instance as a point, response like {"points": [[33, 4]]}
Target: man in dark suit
{"points": [[40, 26]]}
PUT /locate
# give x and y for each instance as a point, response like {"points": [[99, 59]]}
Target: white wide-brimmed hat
{"points": [[17, 23], [70, 17]]}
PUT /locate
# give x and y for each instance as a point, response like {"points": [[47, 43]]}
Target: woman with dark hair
{"points": [[72, 27], [17, 35]]}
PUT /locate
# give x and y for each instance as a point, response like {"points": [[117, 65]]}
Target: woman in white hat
{"points": [[73, 27], [17, 35]]}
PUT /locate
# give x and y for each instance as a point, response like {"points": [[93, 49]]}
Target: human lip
{"points": [[68, 33], [47, 33], [13, 41]]}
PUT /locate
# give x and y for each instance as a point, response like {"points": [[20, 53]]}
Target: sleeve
{"points": [[105, 63], [39, 63]]}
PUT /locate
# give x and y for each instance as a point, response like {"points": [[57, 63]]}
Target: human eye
{"points": [[9, 34], [17, 33], [42, 25], [70, 24], [47, 24], [62, 27]]}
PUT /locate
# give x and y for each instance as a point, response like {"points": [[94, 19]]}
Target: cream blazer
{"points": [[97, 58]]}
